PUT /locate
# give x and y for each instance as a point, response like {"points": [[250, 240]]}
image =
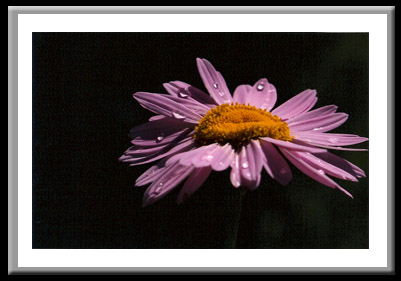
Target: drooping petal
{"points": [[134, 159], [235, 177], [168, 106], [198, 157], [302, 102], [161, 139], [223, 158], [161, 126], [184, 90], [193, 182], [274, 164], [263, 95], [341, 163], [311, 144], [250, 166], [173, 176], [328, 168], [157, 117], [322, 123], [139, 152], [185, 157], [214, 82], [205, 156], [152, 173], [321, 111], [317, 174], [328, 139], [292, 146]]}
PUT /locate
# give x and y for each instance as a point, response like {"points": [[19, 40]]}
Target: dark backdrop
{"points": [[83, 109]]}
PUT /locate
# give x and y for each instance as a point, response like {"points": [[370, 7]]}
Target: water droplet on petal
{"points": [[158, 188], [178, 115], [260, 86], [321, 172], [283, 171], [333, 140], [245, 165], [208, 157], [160, 138], [316, 129], [215, 85], [183, 93]]}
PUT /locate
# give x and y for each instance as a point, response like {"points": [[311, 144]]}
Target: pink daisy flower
{"points": [[194, 133]]}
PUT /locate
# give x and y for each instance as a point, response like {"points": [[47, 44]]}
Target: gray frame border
{"points": [[14, 11]]}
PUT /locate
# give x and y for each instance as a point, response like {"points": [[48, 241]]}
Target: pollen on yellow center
{"points": [[238, 124]]}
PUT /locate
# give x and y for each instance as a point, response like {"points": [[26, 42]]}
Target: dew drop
{"points": [[208, 157], [320, 172], [178, 115], [158, 188], [160, 138], [183, 93], [283, 171], [245, 165], [333, 140], [221, 94], [215, 85], [317, 129], [260, 86]]}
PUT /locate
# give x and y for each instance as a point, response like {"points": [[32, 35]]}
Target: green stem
{"points": [[235, 217]]}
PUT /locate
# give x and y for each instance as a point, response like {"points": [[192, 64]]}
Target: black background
{"points": [[83, 109]]}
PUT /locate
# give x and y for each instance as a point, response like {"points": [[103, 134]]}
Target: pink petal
{"points": [[185, 158], [199, 157], [322, 123], [318, 138], [223, 158], [161, 139], [161, 126], [214, 82], [173, 176], [293, 146], [328, 168], [316, 174], [205, 156], [250, 166], [302, 102], [263, 95], [152, 173], [139, 152], [341, 163], [157, 117], [235, 177], [274, 164], [241, 93], [214, 155], [193, 182], [133, 159], [312, 144], [178, 88], [325, 110], [168, 106]]}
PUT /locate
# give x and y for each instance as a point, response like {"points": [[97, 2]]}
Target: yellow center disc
{"points": [[237, 124]]}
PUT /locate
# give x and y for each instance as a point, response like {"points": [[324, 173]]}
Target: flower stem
{"points": [[235, 216]]}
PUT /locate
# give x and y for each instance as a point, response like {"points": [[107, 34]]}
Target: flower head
{"points": [[194, 133]]}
